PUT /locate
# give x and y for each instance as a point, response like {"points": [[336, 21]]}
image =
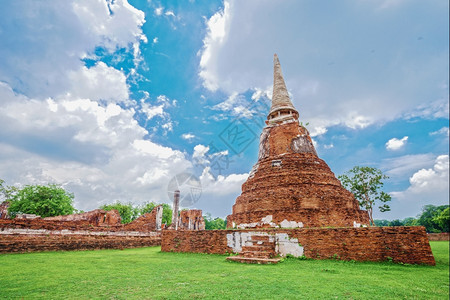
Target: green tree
{"points": [[45, 201], [443, 219], [167, 214], [429, 218], [127, 211], [366, 183], [216, 223]]}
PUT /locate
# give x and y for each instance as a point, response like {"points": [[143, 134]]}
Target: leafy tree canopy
{"points": [[216, 223], [45, 201], [366, 184], [127, 211]]}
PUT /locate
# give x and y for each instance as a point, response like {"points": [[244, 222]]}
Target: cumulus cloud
{"points": [[67, 123], [219, 193], [396, 144], [428, 180], [40, 51], [84, 145], [335, 75], [427, 186]]}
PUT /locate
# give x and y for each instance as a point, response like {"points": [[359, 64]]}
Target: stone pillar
{"points": [[159, 214], [176, 204]]}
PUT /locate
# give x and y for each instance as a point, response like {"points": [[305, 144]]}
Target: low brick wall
{"points": [[443, 236], [30, 240], [399, 244]]}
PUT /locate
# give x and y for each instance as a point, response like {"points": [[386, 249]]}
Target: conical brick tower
{"points": [[290, 186]]}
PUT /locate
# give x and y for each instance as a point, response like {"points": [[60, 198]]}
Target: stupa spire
{"points": [[282, 107]]}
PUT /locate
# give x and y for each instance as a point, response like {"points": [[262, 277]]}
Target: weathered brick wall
{"points": [[401, 244], [141, 224], [10, 243], [290, 182], [442, 236]]}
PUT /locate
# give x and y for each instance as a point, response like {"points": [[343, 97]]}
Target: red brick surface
{"points": [[96, 217], [301, 189], [399, 244], [442, 236], [10, 243]]}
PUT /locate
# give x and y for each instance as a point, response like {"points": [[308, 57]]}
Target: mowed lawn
{"points": [[150, 274]]}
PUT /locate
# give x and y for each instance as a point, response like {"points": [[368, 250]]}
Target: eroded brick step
{"points": [[253, 260], [258, 248], [258, 254]]}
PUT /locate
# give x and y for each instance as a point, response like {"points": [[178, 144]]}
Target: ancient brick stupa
{"points": [[290, 186]]}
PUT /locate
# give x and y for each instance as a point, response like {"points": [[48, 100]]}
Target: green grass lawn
{"points": [[149, 273]]}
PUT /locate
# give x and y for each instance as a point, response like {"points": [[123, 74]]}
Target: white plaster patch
{"points": [[291, 224], [286, 245], [266, 219]]}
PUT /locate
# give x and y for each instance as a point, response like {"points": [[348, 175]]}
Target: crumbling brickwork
{"points": [[147, 222], [289, 182], [442, 236], [399, 244], [54, 241], [191, 220], [4, 210], [96, 217]]}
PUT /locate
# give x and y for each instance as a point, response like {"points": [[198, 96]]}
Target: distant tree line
{"points": [[434, 218]]}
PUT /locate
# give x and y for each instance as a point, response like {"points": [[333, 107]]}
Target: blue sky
{"points": [[112, 99]]}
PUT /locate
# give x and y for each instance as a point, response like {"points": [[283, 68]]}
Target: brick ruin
{"points": [[191, 220], [290, 186], [97, 229], [97, 217], [399, 244], [4, 210], [292, 203]]}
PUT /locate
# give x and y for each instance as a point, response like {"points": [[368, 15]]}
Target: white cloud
{"points": [[219, 194], [405, 166], [427, 186], [443, 131], [155, 40], [428, 180], [59, 34], [99, 82], [84, 146], [66, 123], [188, 136], [217, 27], [335, 75], [169, 13], [159, 11], [396, 144]]}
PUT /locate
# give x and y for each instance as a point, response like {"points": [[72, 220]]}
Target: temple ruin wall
{"points": [[399, 244]]}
